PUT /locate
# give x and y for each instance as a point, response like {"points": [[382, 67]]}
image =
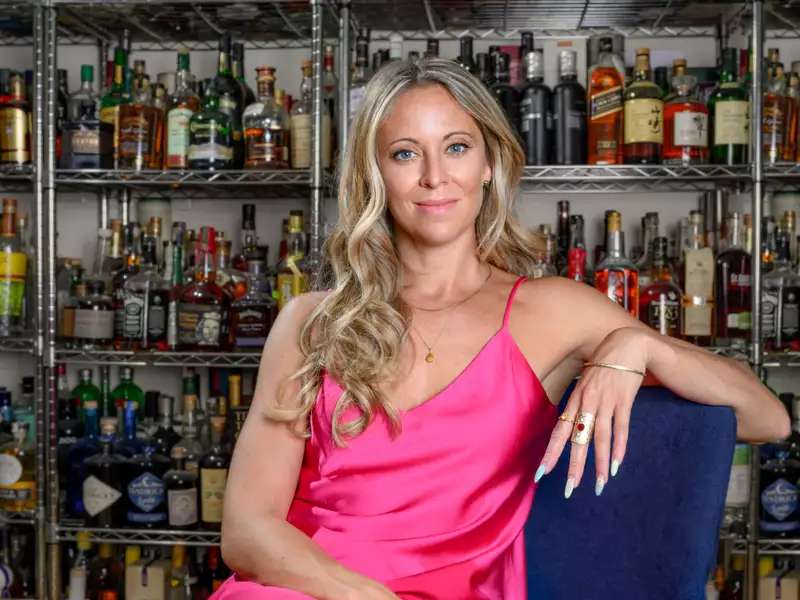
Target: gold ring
{"points": [[582, 432], [566, 419]]}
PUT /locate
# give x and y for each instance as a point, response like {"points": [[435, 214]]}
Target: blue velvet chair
{"points": [[653, 533]]}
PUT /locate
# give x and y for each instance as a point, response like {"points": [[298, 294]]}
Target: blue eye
{"points": [[461, 145], [402, 154]]}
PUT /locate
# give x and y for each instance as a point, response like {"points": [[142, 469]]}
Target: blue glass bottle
{"points": [[145, 492], [129, 446], [87, 446]]}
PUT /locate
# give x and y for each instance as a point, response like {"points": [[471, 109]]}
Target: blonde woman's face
{"points": [[433, 160]]}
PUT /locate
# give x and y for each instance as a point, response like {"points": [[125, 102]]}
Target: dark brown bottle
{"points": [[213, 477]]}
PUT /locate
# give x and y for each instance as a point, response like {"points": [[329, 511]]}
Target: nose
{"points": [[434, 171]]}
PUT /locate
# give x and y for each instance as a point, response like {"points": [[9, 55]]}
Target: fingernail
{"points": [[598, 487], [569, 488], [614, 467], [539, 473]]}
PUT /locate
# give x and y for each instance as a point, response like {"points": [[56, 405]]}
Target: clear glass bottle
{"points": [[660, 299], [733, 273], [685, 125], [774, 122], [131, 268], [252, 315], [12, 275], [615, 276], [183, 104], [265, 131], [88, 142], [301, 126], [644, 115], [605, 108], [361, 75], [780, 297], [292, 271], [94, 317]]}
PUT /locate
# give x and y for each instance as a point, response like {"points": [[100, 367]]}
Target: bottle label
{"points": [[290, 285], [265, 146], [13, 266], [529, 116], [774, 122], [182, 507], [211, 152], [699, 273], [178, 137], [199, 324], [576, 264], [605, 103], [146, 492], [85, 141], [14, 145], [209, 141], [731, 119], [644, 121], [697, 319], [157, 315], [132, 315], [740, 320], [739, 482], [357, 95], [301, 141], [134, 135], [251, 326], [98, 496], [228, 105], [769, 312], [212, 492], [780, 500], [19, 492], [691, 129], [10, 469], [663, 313], [94, 324]]}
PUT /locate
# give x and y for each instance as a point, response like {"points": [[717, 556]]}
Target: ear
{"points": [[487, 174]]}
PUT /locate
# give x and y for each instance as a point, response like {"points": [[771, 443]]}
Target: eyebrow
{"points": [[412, 140]]}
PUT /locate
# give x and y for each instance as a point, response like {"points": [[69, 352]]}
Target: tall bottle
{"points": [[141, 131], [465, 54], [237, 70], [292, 272], [733, 272], [685, 124], [88, 142], [266, 136], [182, 105], [301, 126], [645, 263], [360, 74], [103, 487], [792, 107], [775, 119], [569, 113], [115, 97], [120, 278], [15, 134], [504, 92], [730, 115], [660, 299], [534, 106], [605, 108], [577, 267], [231, 98], [13, 268], [88, 446], [213, 477], [780, 298], [616, 276], [644, 115]]}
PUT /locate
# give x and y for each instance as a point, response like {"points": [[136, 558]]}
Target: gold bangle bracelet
{"points": [[613, 366]]}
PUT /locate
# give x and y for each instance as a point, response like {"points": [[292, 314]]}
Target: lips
{"points": [[437, 206]]}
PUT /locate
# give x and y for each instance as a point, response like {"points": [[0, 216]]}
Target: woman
{"points": [[424, 377]]}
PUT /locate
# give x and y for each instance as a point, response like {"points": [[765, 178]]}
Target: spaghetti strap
{"points": [[510, 301]]}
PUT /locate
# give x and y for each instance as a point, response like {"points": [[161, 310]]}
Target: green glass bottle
{"points": [[116, 96], [127, 390], [730, 115], [210, 136], [85, 391], [230, 98]]}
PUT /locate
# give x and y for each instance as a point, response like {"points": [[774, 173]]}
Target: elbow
{"points": [[231, 548], [775, 427]]}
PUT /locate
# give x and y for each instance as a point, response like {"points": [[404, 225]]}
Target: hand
{"points": [[354, 586], [608, 394]]}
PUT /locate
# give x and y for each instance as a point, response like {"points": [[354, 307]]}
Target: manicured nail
{"points": [[598, 487], [539, 473], [569, 488], [614, 467]]}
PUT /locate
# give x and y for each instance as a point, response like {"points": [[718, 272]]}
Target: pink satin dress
{"points": [[438, 512]]}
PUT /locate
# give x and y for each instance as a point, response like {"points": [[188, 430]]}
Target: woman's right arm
{"points": [[257, 541]]}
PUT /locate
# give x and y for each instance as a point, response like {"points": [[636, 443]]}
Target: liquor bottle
{"points": [[465, 55], [535, 118], [15, 134], [577, 267], [189, 441], [697, 280], [215, 572], [211, 143], [87, 446], [230, 280], [605, 108], [253, 313], [141, 131], [115, 97], [779, 299], [569, 114], [182, 493], [248, 237], [182, 105], [165, 436], [237, 413], [774, 123], [12, 276], [292, 272], [644, 115], [360, 75], [175, 277], [112, 261], [106, 578], [88, 142], [282, 103], [213, 477], [130, 445], [145, 491], [733, 269], [544, 265], [237, 70], [265, 134], [792, 98], [84, 392], [505, 94], [780, 498], [79, 570], [685, 125], [730, 115], [562, 234], [301, 126], [18, 471], [62, 99], [231, 98], [119, 280], [203, 304], [645, 263], [103, 487], [660, 299], [94, 318], [615, 276]]}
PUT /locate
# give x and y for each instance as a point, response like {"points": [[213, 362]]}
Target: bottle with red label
{"points": [[616, 276], [577, 267], [733, 279]]}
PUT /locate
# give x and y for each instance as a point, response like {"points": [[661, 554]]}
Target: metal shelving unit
{"points": [[246, 360], [156, 537]]}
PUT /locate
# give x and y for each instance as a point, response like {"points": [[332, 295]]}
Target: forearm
{"points": [[271, 551], [700, 376]]}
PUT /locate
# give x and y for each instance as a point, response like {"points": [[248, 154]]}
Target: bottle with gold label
{"points": [[116, 96], [775, 119], [265, 131], [13, 267], [15, 139], [292, 273], [18, 471], [214, 476], [644, 115], [140, 131], [182, 105]]}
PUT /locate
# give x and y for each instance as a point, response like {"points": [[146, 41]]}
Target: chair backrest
{"points": [[653, 533]]}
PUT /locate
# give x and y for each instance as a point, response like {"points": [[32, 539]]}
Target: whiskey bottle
{"points": [[569, 114], [644, 115], [301, 126], [13, 268], [15, 118], [253, 313], [535, 118], [130, 269], [213, 477], [237, 70], [88, 142], [292, 277], [103, 487], [264, 131], [605, 109], [774, 123], [115, 97], [697, 280], [733, 272], [615, 276], [729, 111], [660, 299], [182, 492], [211, 145], [182, 105], [685, 125], [505, 94], [780, 298], [141, 131], [18, 471], [231, 98]]}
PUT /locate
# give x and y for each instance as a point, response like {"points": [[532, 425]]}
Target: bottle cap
{"points": [[85, 374], [83, 539], [87, 73], [534, 65], [132, 555], [126, 372]]}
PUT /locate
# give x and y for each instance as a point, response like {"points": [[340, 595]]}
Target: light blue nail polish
{"points": [[598, 487], [614, 467], [539, 473], [569, 488]]}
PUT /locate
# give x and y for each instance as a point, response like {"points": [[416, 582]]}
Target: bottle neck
{"points": [[130, 422], [86, 86], [224, 63], [207, 269], [615, 244], [266, 90], [91, 425]]}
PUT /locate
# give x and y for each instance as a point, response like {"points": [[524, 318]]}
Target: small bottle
{"points": [[535, 118], [616, 276], [569, 113], [605, 108], [644, 115], [660, 299], [733, 272], [685, 125], [12, 278]]}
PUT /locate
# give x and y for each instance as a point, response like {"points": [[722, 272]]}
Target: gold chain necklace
{"points": [[429, 356]]}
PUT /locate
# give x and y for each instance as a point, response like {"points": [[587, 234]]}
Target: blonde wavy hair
{"points": [[356, 331]]}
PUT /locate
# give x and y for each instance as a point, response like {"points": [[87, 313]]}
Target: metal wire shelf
{"points": [[633, 178], [240, 359], [17, 178], [512, 36], [781, 360], [156, 537], [17, 518], [23, 343], [773, 547]]}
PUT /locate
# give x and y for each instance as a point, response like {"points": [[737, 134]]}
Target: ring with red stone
{"points": [[582, 431]]}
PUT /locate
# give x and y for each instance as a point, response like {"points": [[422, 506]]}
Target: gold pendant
{"points": [[429, 357]]}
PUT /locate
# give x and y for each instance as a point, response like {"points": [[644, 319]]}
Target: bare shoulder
{"points": [[293, 317]]}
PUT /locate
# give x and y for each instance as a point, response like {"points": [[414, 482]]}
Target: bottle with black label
{"points": [[535, 119], [569, 114]]}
